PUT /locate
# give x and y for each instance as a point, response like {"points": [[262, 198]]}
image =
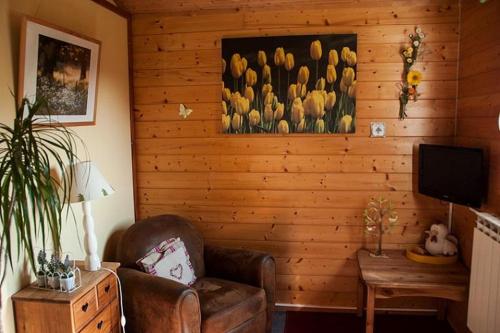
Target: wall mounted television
{"points": [[453, 174]]}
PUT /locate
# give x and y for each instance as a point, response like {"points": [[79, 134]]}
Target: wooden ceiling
{"points": [[190, 6]]}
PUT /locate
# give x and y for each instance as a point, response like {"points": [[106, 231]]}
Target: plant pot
{"points": [[68, 284], [53, 281], [41, 279]]}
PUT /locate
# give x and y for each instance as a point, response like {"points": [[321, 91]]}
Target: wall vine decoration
{"points": [[410, 78]]}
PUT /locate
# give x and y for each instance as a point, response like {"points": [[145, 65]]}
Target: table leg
{"points": [[361, 298], [370, 309], [442, 309]]}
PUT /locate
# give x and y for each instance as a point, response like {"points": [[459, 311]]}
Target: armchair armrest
{"points": [[155, 304], [245, 266]]}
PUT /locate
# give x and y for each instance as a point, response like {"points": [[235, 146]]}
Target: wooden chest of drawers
{"points": [[92, 308]]}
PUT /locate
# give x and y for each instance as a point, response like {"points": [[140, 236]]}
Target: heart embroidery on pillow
{"points": [[176, 272]]}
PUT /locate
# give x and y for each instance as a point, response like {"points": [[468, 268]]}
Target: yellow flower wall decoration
{"points": [[410, 78]]}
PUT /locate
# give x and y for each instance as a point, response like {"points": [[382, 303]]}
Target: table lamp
{"points": [[89, 184]]}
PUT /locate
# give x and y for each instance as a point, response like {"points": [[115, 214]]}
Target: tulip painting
{"points": [[317, 95]]}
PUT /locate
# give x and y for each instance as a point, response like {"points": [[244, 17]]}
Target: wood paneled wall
{"points": [[299, 196], [478, 109]]}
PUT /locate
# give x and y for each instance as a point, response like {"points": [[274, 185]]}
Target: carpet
{"points": [[321, 322]]}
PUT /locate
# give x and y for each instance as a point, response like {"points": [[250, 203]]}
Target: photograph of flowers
{"points": [[289, 84], [61, 68]]}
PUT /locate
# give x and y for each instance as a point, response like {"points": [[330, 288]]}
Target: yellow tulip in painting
{"points": [[292, 92], [268, 113], [301, 90], [269, 98], [226, 94], [351, 91], [297, 111], [279, 56], [224, 107], [331, 74], [226, 122], [266, 89], [301, 126], [242, 105], [244, 63], [289, 62], [319, 126], [351, 58], [348, 76], [236, 122], [333, 57], [283, 127], [249, 94], [320, 84], [303, 75], [345, 53], [314, 104], [331, 98], [261, 58], [234, 98], [316, 51], [236, 66], [279, 112], [254, 117], [345, 124], [266, 74], [250, 77]]}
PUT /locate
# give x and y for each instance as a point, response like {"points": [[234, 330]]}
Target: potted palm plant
{"points": [[32, 200]]}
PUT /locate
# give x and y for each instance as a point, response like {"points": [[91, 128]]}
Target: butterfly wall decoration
{"points": [[184, 111]]}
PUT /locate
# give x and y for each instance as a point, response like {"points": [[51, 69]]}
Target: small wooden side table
{"points": [[92, 308], [396, 276]]}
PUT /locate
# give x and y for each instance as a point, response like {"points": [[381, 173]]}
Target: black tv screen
{"points": [[454, 174]]}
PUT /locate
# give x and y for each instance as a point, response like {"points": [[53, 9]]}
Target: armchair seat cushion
{"points": [[226, 305]]}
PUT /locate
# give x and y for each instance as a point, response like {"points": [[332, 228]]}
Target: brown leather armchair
{"points": [[234, 291]]}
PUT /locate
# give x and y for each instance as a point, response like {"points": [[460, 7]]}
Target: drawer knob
{"points": [[106, 289], [99, 325], [85, 307]]}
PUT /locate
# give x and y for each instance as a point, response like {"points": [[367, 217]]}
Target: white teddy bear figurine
{"points": [[440, 242]]}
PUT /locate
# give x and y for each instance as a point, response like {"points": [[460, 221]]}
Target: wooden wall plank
{"points": [[210, 128], [297, 215], [276, 181], [299, 197], [283, 145], [276, 163], [340, 15], [277, 198]]}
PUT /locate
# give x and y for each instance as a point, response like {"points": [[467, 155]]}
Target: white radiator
{"points": [[484, 292]]}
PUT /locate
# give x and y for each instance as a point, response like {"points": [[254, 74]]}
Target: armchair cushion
{"points": [[169, 260], [226, 304]]}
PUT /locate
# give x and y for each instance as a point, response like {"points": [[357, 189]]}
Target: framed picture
{"points": [[289, 84], [61, 67]]}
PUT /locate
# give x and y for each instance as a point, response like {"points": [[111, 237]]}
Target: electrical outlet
{"points": [[377, 129]]}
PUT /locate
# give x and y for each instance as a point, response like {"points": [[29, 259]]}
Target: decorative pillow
{"points": [[169, 260]]}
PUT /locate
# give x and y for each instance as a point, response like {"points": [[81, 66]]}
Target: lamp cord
{"points": [[123, 321]]}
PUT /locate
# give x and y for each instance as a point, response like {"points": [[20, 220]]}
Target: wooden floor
{"points": [[307, 322]]}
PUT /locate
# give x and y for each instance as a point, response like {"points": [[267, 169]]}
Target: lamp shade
{"points": [[88, 183]]}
